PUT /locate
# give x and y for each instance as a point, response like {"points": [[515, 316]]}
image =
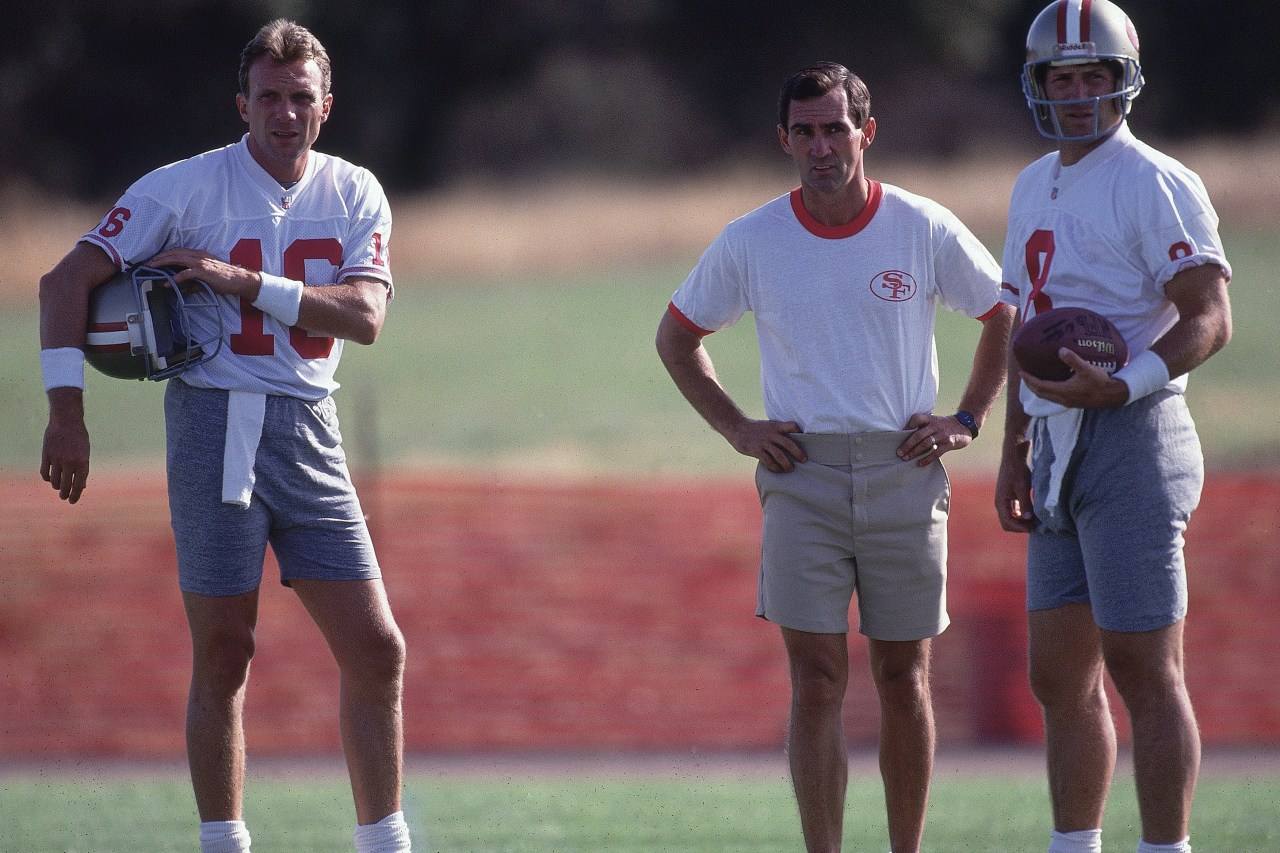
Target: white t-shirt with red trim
{"points": [[844, 316], [332, 224]]}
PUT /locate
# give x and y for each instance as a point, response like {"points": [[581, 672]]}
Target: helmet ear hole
{"points": [[164, 323]]}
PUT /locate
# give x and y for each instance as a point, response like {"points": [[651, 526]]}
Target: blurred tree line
{"points": [[432, 92]]}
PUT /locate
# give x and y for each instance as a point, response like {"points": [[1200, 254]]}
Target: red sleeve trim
{"points": [[995, 309], [686, 322]]}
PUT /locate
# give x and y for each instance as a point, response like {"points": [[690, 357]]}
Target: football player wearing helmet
{"points": [[281, 258], [1103, 471]]}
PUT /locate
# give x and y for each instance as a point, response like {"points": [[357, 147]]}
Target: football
{"points": [[1087, 333]]}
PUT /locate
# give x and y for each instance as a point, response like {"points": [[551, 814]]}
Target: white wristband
{"points": [[280, 297], [1144, 375], [63, 367]]}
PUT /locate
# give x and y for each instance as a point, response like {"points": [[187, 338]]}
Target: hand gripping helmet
{"points": [[140, 325], [1077, 32]]}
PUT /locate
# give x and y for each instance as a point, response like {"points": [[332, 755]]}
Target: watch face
{"points": [[968, 421]]}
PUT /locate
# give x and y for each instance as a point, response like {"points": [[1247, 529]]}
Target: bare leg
{"points": [[1147, 669], [222, 646], [1080, 737], [356, 621], [907, 736], [815, 742]]}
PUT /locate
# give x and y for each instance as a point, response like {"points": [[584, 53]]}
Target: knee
{"points": [[1060, 687], [818, 684], [394, 654], [1146, 668], [1152, 683], [380, 658], [220, 660], [902, 684]]}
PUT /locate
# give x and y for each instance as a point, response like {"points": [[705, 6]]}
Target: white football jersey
{"points": [[332, 224], [1107, 233], [844, 316]]}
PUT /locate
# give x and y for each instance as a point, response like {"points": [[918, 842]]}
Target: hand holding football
{"points": [[1086, 333]]}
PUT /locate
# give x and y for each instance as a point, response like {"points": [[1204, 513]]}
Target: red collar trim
{"points": [[837, 232]]}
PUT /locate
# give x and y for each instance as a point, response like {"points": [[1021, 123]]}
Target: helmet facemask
{"points": [[1044, 109], [140, 325]]}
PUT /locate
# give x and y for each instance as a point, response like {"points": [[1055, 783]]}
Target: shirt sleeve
{"points": [[138, 227], [1180, 226], [968, 276], [367, 249], [715, 295]]}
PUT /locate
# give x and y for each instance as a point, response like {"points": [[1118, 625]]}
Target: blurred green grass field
{"points": [[618, 813], [560, 375]]}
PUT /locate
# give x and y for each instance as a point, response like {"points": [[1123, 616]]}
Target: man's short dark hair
{"points": [[284, 42], [819, 79]]}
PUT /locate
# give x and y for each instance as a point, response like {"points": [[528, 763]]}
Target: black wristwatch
{"points": [[967, 421]]}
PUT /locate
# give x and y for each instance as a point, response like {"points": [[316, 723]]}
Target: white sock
{"points": [[389, 835], [1183, 846], [224, 836], [1081, 841]]}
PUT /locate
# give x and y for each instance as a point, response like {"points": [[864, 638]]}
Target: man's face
{"points": [[823, 143], [284, 109], [1075, 82]]}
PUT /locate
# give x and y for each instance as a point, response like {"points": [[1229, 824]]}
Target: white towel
{"points": [[245, 415], [1061, 431], [1059, 426]]}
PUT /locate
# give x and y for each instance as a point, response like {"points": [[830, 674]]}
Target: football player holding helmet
{"points": [[139, 326], [1078, 32]]}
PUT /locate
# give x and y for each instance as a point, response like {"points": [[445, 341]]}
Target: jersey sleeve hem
{"points": [[686, 322], [95, 240], [995, 309]]}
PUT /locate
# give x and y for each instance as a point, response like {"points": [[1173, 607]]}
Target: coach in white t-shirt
{"points": [[1103, 472], [844, 277], [294, 243]]}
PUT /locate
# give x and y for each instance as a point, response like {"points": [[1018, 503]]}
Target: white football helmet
{"points": [[139, 327], [1077, 32]]}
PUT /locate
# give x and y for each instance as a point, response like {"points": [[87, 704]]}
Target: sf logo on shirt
{"points": [[894, 286]]}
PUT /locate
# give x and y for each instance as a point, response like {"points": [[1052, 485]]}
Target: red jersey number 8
{"points": [[1039, 257]]}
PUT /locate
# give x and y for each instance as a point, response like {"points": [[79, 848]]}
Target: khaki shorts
{"points": [[855, 518]]}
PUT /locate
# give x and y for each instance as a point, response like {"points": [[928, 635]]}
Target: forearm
{"points": [[694, 374], [351, 311], [990, 366], [64, 295], [1193, 340], [1017, 423], [695, 377], [1202, 329]]}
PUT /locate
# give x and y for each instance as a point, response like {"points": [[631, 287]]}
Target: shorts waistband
{"points": [[846, 448]]}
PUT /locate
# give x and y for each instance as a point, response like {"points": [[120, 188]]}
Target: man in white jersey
{"points": [[844, 276], [294, 242], [1103, 471]]}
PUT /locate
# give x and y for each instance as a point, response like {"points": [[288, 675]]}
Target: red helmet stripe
{"points": [[1074, 17]]}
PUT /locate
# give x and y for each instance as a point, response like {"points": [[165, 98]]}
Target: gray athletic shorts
{"points": [[1115, 539], [303, 503], [855, 518]]}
